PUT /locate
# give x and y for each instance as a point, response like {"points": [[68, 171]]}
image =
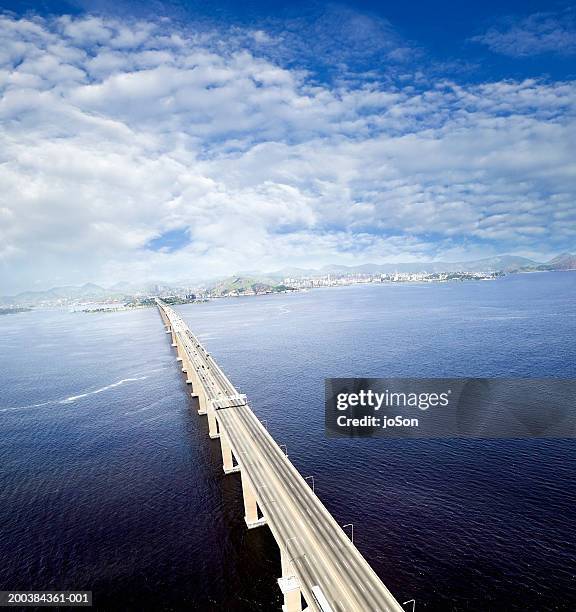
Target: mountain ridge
{"points": [[259, 282]]}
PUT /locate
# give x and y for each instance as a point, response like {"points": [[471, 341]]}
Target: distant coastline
{"points": [[94, 298], [7, 311]]}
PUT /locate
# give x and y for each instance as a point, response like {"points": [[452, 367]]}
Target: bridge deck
{"points": [[318, 550]]}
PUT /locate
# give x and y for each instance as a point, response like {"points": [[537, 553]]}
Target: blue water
{"points": [[109, 482]]}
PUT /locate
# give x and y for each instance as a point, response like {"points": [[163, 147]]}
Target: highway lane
{"points": [[311, 504], [323, 540], [295, 531], [284, 532]]}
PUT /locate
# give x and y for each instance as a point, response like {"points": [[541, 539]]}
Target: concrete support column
{"points": [[227, 457], [199, 393], [192, 376], [212, 423], [189, 369], [250, 504], [185, 362], [179, 351], [292, 596], [289, 585]]}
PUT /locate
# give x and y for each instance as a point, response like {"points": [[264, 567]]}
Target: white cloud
{"points": [[114, 133], [536, 34]]}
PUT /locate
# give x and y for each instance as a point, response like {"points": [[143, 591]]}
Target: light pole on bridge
{"points": [[312, 477], [351, 525]]}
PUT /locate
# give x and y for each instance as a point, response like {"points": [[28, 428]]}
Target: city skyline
{"points": [[144, 139]]}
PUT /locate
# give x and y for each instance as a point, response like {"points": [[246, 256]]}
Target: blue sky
{"points": [[189, 139]]}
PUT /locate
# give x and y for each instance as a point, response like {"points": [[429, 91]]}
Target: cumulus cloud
{"points": [[116, 134], [536, 34]]}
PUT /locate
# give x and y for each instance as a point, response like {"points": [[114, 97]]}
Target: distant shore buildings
{"points": [[94, 298], [331, 280]]}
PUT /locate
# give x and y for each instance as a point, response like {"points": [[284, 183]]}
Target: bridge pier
{"points": [[186, 364], [201, 397], [289, 585], [179, 351], [191, 378], [186, 367], [250, 504], [227, 456], [212, 422]]}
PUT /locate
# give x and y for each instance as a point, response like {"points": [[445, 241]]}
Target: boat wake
{"points": [[74, 398]]}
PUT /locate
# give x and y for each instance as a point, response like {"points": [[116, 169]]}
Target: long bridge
{"points": [[321, 569]]}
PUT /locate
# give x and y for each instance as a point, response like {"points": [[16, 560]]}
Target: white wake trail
{"points": [[73, 398]]}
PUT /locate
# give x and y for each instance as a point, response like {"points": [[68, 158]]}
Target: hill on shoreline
{"points": [[245, 283]]}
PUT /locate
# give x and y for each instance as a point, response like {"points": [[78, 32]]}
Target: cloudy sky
{"points": [[187, 140]]}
